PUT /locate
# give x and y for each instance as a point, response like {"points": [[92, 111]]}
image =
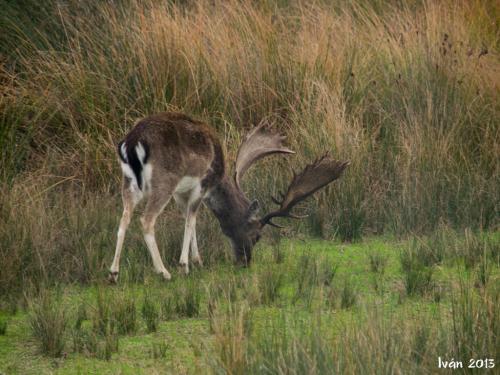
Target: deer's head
{"points": [[258, 144]]}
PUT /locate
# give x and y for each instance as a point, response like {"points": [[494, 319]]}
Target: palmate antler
{"points": [[324, 170], [314, 176], [257, 144]]}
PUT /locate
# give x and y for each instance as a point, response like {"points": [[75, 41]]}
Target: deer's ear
{"points": [[253, 210]]}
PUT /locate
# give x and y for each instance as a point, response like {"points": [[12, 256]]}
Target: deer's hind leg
{"points": [[157, 201], [130, 198]]}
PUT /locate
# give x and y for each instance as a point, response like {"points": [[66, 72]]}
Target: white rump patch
{"points": [[146, 173], [147, 169], [128, 172], [141, 152], [137, 194], [123, 151]]}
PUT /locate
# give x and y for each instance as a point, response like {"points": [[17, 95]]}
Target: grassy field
{"points": [[398, 261], [305, 307]]}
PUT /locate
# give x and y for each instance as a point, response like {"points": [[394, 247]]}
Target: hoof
{"points": [[197, 260], [184, 268], [113, 277], [166, 275]]}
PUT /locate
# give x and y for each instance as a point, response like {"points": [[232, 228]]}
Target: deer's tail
{"points": [[134, 158]]}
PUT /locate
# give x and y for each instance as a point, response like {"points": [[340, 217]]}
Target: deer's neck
{"points": [[229, 206]]}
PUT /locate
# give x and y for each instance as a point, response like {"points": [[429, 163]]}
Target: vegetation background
{"points": [[405, 90]]}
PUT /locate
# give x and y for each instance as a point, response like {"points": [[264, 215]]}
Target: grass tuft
{"points": [[311, 272], [270, 280], [187, 299], [231, 324], [48, 322], [416, 271], [150, 313], [159, 350], [3, 327], [378, 262], [348, 295], [124, 312], [476, 321]]}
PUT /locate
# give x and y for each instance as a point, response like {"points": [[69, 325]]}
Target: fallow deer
{"points": [[171, 155]]}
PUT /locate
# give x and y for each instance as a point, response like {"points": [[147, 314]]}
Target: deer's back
{"points": [[177, 144]]}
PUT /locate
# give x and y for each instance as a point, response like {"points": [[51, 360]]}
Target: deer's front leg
{"points": [[189, 234], [195, 255]]}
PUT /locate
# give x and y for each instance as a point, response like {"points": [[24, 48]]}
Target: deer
{"points": [[170, 154]]}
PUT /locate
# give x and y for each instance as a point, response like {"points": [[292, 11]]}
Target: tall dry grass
{"points": [[408, 93]]}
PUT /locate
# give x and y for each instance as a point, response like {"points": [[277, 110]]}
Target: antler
{"points": [[314, 176], [256, 145]]}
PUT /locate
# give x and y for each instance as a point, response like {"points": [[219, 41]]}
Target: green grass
{"points": [[232, 332]]}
